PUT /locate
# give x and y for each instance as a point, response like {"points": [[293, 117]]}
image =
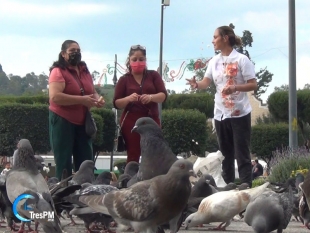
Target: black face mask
{"points": [[74, 58]]}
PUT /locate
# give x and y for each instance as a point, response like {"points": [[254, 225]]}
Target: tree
{"points": [[283, 87], [264, 77], [307, 86]]}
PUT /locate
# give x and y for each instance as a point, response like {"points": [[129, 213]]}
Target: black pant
{"points": [[233, 136]]}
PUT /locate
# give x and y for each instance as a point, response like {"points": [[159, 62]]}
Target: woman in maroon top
{"points": [[138, 92]]}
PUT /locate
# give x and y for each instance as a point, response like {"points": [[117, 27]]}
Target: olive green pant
{"points": [[68, 140]]}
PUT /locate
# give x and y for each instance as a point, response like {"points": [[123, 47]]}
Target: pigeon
{"points": [[103, 178], [304, 202], [126, 179], [6, 206], [24, 178], [156, 155], [39, 162], [203, 188], [223, 206], [228, 187], [270, 211], [84, 174], [149, 203], [87, 214]]}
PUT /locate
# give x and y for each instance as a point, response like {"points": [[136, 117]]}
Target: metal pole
{"points": [[293, 141], [114, 82], [161, 51]]}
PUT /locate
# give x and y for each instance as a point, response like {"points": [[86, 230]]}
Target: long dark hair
{"points": [[61, 63]]}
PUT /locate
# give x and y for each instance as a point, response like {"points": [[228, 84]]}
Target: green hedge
{"points": [[266, 138], [181, 126], [23, 121], [203, 102], [278, 105], [31, 121], [108, 131], [39, 99]]}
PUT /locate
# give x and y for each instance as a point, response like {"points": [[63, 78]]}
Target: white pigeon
{"points": [[223, 206]]}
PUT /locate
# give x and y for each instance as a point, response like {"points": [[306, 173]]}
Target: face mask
{"points": [[138, 66], [74, 58]]}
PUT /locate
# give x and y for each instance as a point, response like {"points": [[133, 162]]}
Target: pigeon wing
{"points": [[135, 204]]}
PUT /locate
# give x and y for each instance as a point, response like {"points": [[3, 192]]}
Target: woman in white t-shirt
{"points": [[234, 75]]}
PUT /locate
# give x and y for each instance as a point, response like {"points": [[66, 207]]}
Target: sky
{"points": [[32, 31]]}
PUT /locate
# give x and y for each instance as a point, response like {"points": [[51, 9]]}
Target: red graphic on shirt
{"points": [[231, 71]]}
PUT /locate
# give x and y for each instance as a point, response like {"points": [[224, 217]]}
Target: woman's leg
{"points": [[61, 134], [83, 147]]}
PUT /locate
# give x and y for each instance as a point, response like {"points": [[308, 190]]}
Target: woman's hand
{"points": [[133, 97], [192, 82], [89, 100], [145, 99], [100, 102], [229, 90]]}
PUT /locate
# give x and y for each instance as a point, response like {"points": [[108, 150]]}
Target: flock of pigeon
{"points": [[152, 196]]}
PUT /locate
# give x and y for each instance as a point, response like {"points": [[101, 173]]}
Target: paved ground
{"points": [[236, 226]]}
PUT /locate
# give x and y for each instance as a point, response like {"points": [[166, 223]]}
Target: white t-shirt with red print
{"points": [[234, 69]]}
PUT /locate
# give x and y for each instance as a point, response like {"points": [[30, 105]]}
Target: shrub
{"points": [[185, 130], [203, 102], [266, 138], [108, 130], [24, 121], [39, 99], [284, 162], [99, 135], [258, 182]]}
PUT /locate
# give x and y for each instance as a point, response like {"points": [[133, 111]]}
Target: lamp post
{"points": [[163, 4], [114, 110]]}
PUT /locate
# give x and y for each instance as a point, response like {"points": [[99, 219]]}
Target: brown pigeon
{"points": [[149, 203]]}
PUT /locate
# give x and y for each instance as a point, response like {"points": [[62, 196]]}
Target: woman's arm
{"points": [[58, 97]]}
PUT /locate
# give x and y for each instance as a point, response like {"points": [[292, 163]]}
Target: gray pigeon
{"points": [[156, 155], [270, 211], [103, 178], [203, 188], [85, 174], [304, 203], [125, 180], [24, 178], [87, 214], [149, 203], [228, 187]]}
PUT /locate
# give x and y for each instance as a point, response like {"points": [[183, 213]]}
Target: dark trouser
{"points": [[233, 136], [68, 139], [132, 140]]}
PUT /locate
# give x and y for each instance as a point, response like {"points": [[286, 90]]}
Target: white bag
{"points": [[211, 165]]}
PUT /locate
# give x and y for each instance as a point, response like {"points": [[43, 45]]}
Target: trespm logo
{"points": [[48, 215]]}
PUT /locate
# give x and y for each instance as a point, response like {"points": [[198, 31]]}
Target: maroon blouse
{"points": [[152, 84]]}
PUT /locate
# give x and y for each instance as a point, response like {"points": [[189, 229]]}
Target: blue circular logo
{"points": [[26, 207]]}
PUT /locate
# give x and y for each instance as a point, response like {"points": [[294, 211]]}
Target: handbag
{"points": [[121, 145], [90, 124]]}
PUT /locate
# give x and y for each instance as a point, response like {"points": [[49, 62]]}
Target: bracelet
{"points": [[151, 97]]}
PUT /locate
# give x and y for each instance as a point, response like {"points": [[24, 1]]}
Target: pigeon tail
{"points": [[255, 192]]}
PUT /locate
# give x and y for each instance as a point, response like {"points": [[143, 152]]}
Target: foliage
{"points": [[23, 121], [212, 144], [185, 130], [203, 102], [266, 138], [35, 99], [285, 161], [301, 170], [278, 105], [263, 78], [283, 87], [108, 130], [31, 121], [257, 182], [266, 119]]}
